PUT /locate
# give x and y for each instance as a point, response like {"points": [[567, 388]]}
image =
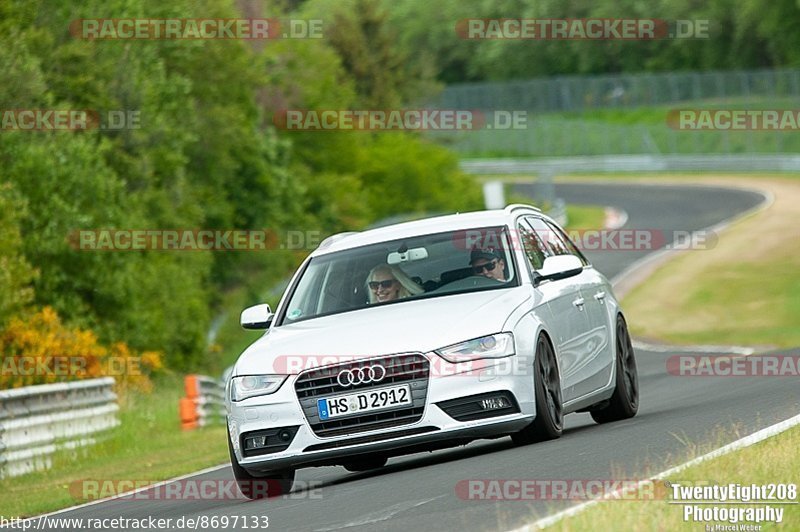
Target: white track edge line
{"points": [[666, 348], [741, 443], [130, 493]]}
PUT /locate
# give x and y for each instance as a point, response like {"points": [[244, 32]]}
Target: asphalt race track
{"points": [[418, 493]]}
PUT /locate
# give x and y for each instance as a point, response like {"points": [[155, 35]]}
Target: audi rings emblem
{"points": [[367, 374]]}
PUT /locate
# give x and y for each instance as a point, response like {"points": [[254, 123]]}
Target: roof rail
{"points": [[515, 206], [335, 238]]}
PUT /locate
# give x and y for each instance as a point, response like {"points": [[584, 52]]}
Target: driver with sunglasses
{"points": [[488, 262]]}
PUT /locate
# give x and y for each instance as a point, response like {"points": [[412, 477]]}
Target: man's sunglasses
{"points": [[489, 266], [383, 284]]}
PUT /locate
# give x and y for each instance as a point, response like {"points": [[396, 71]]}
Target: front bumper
{"points": [[435, 429]]}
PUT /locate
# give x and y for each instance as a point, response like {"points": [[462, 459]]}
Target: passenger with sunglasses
{"points": [[488, 262], [388, 283]]}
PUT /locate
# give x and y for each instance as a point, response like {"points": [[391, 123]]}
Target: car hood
{"points": [[410, 326]]}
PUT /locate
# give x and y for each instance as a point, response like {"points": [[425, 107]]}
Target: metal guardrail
{"points": [[549, 167], [204, 403], [37, 421]]}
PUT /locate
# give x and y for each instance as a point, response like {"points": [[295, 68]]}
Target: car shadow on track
{"points": [[475, 449]]}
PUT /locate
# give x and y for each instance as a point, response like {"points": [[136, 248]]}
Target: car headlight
{"points": [[254, 385], [494, 346]]}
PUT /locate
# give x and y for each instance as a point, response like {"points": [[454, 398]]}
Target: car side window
{"points": [[531, 244], [553, 243], [573, 249]]}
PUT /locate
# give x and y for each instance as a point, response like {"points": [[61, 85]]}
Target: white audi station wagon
{"points": [[425, 335]]}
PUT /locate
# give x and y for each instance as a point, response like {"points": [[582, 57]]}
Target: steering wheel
{"points": [[474, 281]]}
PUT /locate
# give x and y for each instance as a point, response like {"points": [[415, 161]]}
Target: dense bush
{"points": [[40, 349]]}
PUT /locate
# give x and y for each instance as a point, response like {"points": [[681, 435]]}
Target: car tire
{"points": [[624, 403], [366, 464], [549, 422], [271, 484]]}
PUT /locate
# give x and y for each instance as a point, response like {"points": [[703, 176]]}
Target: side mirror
{"points": [[559, 267], [257, 317]]}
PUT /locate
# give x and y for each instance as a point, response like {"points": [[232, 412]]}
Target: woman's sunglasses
{"points": [[489, 266], [383, 284]]}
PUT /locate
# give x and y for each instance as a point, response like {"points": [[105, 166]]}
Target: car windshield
{"points": [[397, 271]]}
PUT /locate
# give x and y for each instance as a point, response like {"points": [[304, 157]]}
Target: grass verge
{"points": [[772, 461], [582, 217], [149, 445], [743, 291]]}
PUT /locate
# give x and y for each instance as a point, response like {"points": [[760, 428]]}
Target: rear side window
{"points": [[573, 249], [553, 243], [531, 244]]}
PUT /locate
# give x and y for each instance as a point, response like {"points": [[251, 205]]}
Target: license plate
{"points": [[366, 401]]}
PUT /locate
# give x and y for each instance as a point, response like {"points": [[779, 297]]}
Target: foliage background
{"points": [[208, 157]]}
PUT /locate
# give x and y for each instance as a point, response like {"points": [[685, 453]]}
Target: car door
{"points": [[595, 368], [565, 304]]}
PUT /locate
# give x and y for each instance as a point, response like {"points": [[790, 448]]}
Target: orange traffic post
{"points": [[188, 413], [192, 386]]}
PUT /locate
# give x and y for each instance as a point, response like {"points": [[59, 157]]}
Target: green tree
{"points": [[16, 274], [372, 53]]}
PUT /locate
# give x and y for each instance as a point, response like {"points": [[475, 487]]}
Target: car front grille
{"points": [[412, 369]]}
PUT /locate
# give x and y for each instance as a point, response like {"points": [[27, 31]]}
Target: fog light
{"points": [[494, 403], [285, 435], [255, 442]]}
